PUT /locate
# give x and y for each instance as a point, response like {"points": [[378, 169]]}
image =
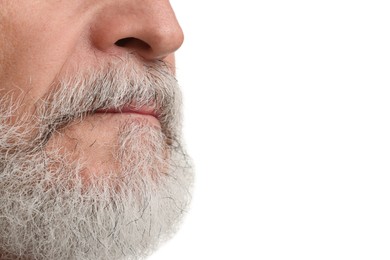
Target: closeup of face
{"points": [[92, 164]]}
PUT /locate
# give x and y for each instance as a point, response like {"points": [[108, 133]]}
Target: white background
{"points": [[287, 111]]}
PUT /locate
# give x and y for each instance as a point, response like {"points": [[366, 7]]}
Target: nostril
{"points": [[122, 42], [132, 43]]}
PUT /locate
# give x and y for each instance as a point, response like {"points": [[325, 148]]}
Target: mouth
{"points": [[148, 112], [129, 109]]}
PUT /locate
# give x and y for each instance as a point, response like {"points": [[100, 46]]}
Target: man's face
{"points": [[91, 160]]}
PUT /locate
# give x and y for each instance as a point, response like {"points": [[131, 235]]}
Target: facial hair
{"points": [[47, 208]]}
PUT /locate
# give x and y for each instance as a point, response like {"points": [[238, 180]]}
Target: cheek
{"points": [[32, 63], [34, 47]]}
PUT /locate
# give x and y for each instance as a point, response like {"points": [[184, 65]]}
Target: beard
{"points": [[53, 206]]}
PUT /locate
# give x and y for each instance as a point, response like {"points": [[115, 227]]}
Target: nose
{"points": [[148, 28]]}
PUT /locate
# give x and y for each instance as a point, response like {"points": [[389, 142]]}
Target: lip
{"points": [[129, 109]]}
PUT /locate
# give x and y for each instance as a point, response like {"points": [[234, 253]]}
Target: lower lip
{"points": [[133, 114]]}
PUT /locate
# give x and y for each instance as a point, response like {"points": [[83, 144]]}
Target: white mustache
{"points": [[112, 87]]}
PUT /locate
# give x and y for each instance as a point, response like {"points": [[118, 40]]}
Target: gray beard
{"points": [[48, 211]]}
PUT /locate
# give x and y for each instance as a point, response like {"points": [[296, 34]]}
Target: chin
{"points": [[58, 203]]}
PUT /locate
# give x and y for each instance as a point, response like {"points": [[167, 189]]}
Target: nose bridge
{"points": [[149, 27]]}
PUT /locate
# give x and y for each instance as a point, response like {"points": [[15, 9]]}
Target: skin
{"points": [[42, 40]]}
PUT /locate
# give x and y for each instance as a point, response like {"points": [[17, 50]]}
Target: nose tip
{"points": [[149, 29]]}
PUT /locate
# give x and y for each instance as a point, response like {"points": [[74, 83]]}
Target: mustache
{"points": [[114, 86]]}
